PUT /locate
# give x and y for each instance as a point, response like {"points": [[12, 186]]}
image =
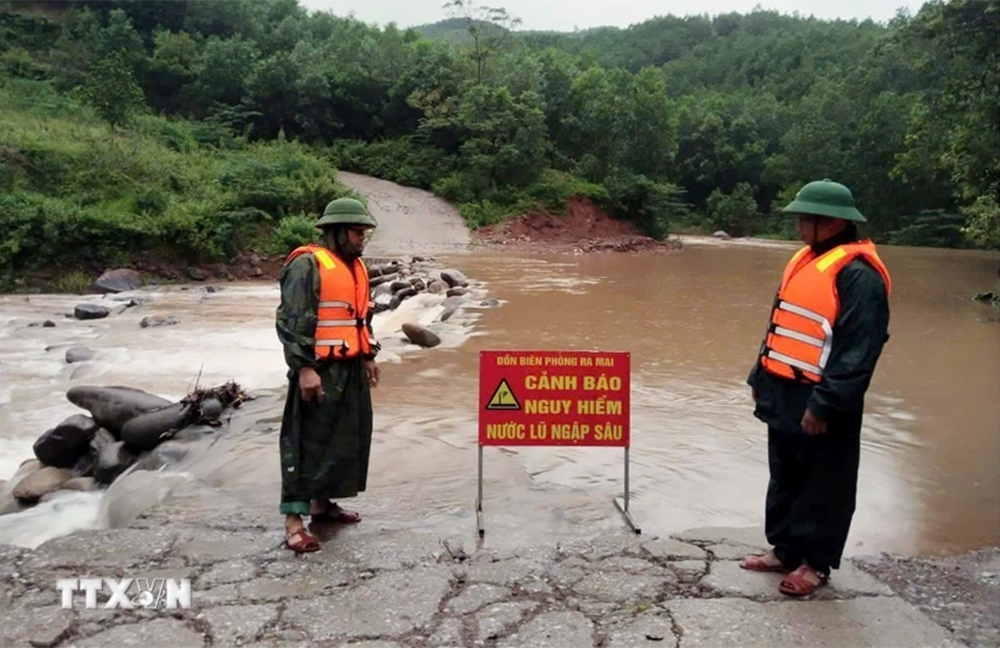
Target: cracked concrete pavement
{"points": [[380, 585]]}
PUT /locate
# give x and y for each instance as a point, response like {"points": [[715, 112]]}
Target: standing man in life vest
{"points": [[827, 328], [324, 326]]}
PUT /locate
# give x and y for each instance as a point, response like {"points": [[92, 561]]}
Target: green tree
{"points": [[735, 212], [489, 29], [112, 91]]}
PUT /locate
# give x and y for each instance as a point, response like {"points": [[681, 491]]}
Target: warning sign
{"points": [[555, 398], [549, 398], [503, 398]]}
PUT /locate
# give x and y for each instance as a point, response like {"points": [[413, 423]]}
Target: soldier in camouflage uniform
{"points": [[326, 429]]}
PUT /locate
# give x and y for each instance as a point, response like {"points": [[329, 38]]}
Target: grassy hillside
{"points": [[75, 196]]}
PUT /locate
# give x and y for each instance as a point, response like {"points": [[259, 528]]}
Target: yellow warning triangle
{"points": [[503, 398]]}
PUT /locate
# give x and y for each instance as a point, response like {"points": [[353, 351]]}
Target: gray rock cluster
{"points": [[393, 281], [125, 426]]}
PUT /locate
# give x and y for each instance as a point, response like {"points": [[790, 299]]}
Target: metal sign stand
{"points": [[622, 506], [621, 502], [479, 496]]}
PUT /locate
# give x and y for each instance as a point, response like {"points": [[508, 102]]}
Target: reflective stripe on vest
{"points": [[799, 338], [341, 320]]}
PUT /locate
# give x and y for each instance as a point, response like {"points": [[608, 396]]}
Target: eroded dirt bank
{"points": [[583, 228]]}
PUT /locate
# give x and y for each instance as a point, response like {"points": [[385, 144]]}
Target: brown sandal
{"points": [[305, 543], [758, 564], [796, 584], [336, 515]]}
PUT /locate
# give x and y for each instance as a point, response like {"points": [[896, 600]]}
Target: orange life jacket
{"points": [[341, 323], [800, 335]]}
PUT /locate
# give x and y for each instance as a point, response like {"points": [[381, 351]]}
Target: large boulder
{"points": [[7, 502], [41, 482], [146, 431], [63, 445], [421, 335], [116, 281], [90, 311], [113, 407], [454, 278]]}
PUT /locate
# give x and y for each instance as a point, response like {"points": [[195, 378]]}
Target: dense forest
{"points": [[198, 129]]}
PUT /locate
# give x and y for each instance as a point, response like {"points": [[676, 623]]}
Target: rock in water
{"points": [[454, 278], [421, 335], [113, 407], [90, 311], [82, 484], [456, 292], [63, 445], [405, 293], [116, 281], [41, 482], [211, 409], [437, 286], [7, 502], [78, 354], [158, 320], [114, 460], [144, 432]]}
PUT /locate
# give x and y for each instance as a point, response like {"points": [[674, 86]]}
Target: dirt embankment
{"points": [[584, 228]]}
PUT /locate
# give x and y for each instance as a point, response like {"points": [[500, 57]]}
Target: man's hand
{"points": [[309, 384], [812, 424], [374, 373]]}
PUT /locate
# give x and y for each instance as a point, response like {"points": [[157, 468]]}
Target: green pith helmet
{"points": [[825, 198], [346, 211]]}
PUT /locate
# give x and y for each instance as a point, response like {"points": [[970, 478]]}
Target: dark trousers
{"points": [[811, 494]]}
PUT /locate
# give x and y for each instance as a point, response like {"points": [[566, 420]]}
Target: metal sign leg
{"points": [[479, 497], [619, 504]]}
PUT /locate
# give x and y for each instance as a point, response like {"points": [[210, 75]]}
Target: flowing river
{"points": [[692, 321]]}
